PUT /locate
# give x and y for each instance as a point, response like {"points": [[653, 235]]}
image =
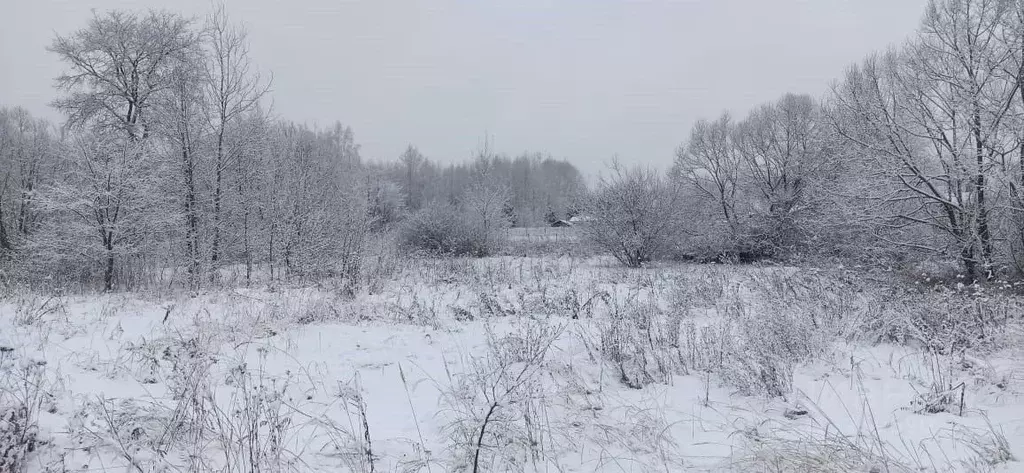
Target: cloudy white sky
{"points": [[580, 79]]}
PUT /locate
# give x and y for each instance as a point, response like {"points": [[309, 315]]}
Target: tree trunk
{"points": [[108, 273], [5, 244], [984, 234], [248, 251], [25, 209], [247, 211], [215, 252], [408, 188], [192, 220], [273, 229], [1020, 161], [969, 261], [1020, 198]]}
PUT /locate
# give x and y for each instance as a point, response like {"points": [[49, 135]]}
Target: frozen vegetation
{"points": [[189, 283], [519, 364]]}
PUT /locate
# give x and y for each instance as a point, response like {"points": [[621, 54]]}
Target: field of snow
{"points": [[517, 364]]}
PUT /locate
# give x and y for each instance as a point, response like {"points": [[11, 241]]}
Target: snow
{"points": [[406, 354]]}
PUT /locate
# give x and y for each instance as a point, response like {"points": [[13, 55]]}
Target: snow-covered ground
{"points": [[509, 364]]}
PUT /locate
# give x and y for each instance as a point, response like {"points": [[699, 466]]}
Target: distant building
{"points": [[561, 223], [578, 219]]}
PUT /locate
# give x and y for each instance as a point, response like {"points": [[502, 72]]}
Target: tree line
{"points": [[170, 161], [917, 151], [170, 166], [541, 189]]}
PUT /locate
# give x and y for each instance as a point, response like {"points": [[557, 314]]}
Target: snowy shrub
{"points": [[579, 304], [354, 444], [753, 348], [315, 307], [545, 241], [32, 308], [252, 423], [251, 429], [641, 341], [497, 405], [8, 280], [17, 437], [23, 395], [445, 231], [774, 446], [448, 270], [635, 217], [486, 207], [128, 429], [704, 348], [702, 288], [493, 305], [767, 347], [383, 262], [989, 445], [942, 319]]}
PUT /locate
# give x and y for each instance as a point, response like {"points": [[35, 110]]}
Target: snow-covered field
{"points": [[518, 364]]}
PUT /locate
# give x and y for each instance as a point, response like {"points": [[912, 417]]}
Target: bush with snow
{"points": [[445, 230], [636, 216]]}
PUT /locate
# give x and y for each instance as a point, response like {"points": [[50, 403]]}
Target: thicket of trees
{"points": [[27, 155], [169, 167], [540, 189], [757, 177], [918, 150], [939, 123]]}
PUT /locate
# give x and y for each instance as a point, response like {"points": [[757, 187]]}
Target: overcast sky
{"points": [[579, 79]]}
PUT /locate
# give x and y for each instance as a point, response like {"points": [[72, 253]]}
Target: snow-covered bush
{"points": [[382, 261], [437, 229], [497, 406], [754, 347], [777, 446], [944, 320], [23, 395], [446, 230], [769, 346], [18, 433], [636, 216], [639, 340]]}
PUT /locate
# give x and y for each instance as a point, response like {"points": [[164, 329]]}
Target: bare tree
{"points": [[778, 145], [933, 116], [710, 162], [180, 122], [411, 161], [233, 89], [253, 168], [118, 64], [316, 214], [961, 57], [538, 184], [386, 200], [106, 205], [484, 204], [5, 242], [1011, 40], [636, 215], [783, 151]]}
